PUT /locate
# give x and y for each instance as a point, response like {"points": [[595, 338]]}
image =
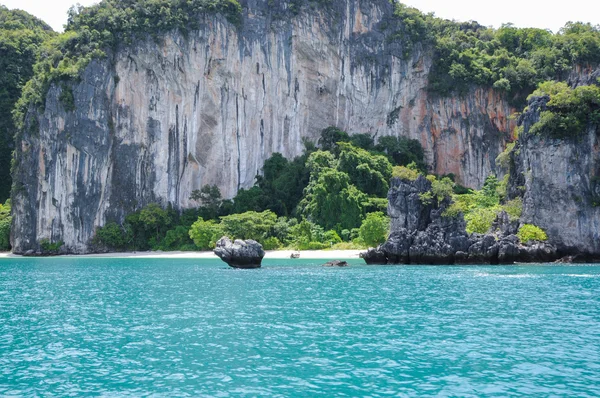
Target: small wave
{"points": [[486, 274]]}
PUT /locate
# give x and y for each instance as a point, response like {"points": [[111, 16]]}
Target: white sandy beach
{"points": [[272, 254]]}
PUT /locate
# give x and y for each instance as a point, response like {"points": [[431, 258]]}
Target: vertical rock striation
{"points": [[559, 180], [160, 118]]}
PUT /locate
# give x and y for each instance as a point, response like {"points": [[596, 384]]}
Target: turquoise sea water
{"points": [[132, 327]]}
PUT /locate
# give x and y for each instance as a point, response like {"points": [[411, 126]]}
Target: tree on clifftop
{"points": [[21, 35]]}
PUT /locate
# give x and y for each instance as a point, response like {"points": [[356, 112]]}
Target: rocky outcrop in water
{"points": [[157, 119], [240, 253], [421, 234], [336, 263]]}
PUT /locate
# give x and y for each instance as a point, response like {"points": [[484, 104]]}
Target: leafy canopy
{"points": [[5, 223], [94, 31], [249, 225], [206, 233], [21, 36], [569, 111], [529, 232], [374, 229], [481, 207], [510, 59], [332, 201], [369, 173]]}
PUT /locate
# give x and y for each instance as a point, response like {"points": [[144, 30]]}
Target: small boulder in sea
{"points": [[335, 263], [240, 253]]}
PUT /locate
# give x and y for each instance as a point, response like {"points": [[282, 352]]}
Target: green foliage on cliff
{"points": [[512, 60], [5, 223], [441, 188], [123, 20], [62, 58], [480, 219], [50, 247], [21, 35], [278, 189], [504, 158], [414, 29], [67, 99], [93, 32], [481, 207], [402, 151], [529, 232], [514, 208], [569, 111], [478, 207], [409, 172]]}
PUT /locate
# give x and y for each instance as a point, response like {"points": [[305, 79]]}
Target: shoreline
{"points": [[270, 254]]}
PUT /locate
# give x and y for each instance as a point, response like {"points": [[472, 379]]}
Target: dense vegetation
{"points": [[21, 35], [480, 208], [331, 195], [529, 232], [569, 111], [5, 222], [92, 32], [510, 59]]}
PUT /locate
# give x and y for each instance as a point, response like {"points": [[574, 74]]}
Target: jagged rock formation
{"points": [[155, 120], [559, 181], [240, 253], [421, 234], [336, 263]]}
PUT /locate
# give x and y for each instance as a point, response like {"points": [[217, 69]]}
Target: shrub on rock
{"points": [[529, 232]]}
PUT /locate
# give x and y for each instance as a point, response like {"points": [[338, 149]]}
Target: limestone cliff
{"points": [[155, 120], [559, 180]]}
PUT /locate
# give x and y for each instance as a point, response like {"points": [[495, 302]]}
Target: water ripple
{"points": [[131, 327]]}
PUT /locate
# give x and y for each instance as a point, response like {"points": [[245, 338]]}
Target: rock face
{"points": [[559, 181], [336, 263], [160, 118], [241, 253], [421, 234]]}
